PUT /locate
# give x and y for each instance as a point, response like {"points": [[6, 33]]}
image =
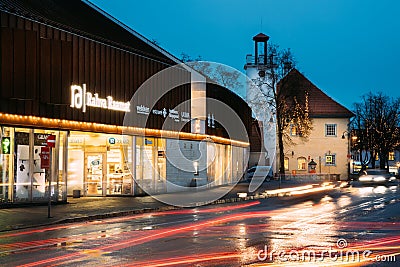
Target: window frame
{"points": [[294, 130], [392, 156], [328, 132], [286, 163], [305, 164]]}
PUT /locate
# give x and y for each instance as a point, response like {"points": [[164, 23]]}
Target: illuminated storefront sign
{"points": [[142, 110], [211, 120], [173, 114], [185, 116], [5, 145], [81, 99], [162, 112]]}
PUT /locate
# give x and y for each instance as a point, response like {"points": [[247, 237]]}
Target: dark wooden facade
{"points": [[229, 111], [41, 58]]}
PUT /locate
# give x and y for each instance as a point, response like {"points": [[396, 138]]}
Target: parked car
{"points": [[376, 177], [265, 172]]}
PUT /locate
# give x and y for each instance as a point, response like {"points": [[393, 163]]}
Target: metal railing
{"points": [[251, 60]]}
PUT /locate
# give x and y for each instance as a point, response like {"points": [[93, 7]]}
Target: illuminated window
{"points": [[294, 130], [330, 129], [391, 156], [286, 164], [301, 163]]}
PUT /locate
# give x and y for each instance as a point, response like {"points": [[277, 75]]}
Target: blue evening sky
{"points": [[345, 47]]}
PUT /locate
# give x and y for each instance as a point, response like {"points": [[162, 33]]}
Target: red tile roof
{"points": [[320, 104]]}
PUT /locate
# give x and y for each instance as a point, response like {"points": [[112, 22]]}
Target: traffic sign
{"points": [[51, 140], [328, 159]]}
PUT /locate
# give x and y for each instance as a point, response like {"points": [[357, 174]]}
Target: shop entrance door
{"points": [[94, 174]]}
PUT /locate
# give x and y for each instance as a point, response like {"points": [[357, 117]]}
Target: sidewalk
{"points": [[91, 208]]}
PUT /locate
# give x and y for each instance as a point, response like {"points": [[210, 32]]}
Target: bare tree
{"points": [[217, 73], [377, 124], [287, 97]]}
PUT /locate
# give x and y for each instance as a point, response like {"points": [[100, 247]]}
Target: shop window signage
{"points": [[148, 142], [5, 145], [40, 139], [81, 99], [118, 140]]}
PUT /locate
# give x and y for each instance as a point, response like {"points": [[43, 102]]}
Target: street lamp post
{"points": [[348, 152]]}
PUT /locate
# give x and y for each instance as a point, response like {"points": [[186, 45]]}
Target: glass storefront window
{"points": [[62, 165], [22, 166], [29, 182], [6, 164], [41, 175], [100, 164], [237, 163], [119, 162], [151, 164]]}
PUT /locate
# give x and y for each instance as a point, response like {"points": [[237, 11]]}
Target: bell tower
{"points": [[260, 40], [256, 67], [256, 64]]}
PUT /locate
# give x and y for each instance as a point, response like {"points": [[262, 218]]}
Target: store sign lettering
{"points": [[41, 139], [80, 99], [210, 120], [148, 142], [162, 112], [142, 110], [173, 114], [185, 116], [118, 140], [76, 140]]}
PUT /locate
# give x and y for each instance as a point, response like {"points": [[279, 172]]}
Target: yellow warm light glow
{"points": [[312, 190], [286, 190], [62, 124], [241, 195]]}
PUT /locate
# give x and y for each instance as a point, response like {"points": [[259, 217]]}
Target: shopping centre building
{"points": [[69, 69]]}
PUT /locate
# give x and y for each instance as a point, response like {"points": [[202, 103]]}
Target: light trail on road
{"points": [[227, 235], [131, 217]]}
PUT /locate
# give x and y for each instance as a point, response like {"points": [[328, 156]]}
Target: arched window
{"points": [[301, 163]]}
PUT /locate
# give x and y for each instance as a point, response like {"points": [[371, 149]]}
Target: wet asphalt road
{"points": [[353, 226]]}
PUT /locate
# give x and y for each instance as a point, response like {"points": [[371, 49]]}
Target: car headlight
{"points": [[379, 179], [365, 179], [392, 179]]}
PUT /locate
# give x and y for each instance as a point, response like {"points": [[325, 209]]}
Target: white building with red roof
{"points": [[325, 151]]}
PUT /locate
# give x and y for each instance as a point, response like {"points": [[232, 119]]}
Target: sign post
{"points": [[51, 142]]}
